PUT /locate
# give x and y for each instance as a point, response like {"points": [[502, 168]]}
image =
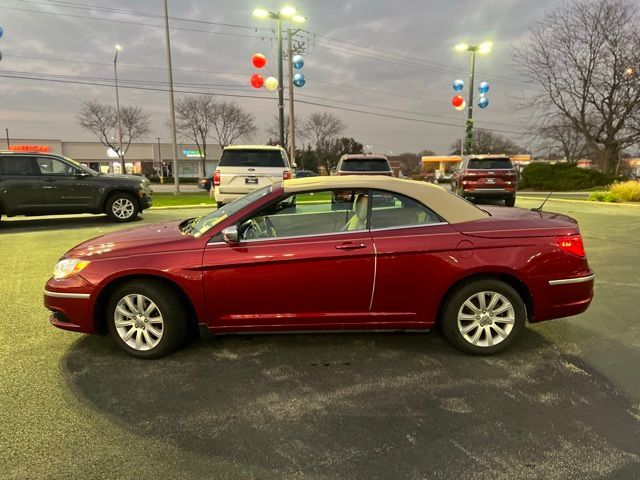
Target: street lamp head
{"points": [[118, 47], [485, 47], [262, 13], [299, 18], [288, 12], [461, 47]]}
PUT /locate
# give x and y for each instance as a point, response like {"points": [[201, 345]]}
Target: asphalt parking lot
{"points": [[563, 403]]}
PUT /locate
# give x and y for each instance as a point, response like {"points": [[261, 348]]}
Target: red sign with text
{"points": [[30, 148]]}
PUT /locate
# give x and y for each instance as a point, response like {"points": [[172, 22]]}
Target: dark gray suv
{"points": [[48, 184]]}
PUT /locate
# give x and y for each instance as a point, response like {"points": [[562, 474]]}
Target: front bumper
{"points": [[71, 304]]}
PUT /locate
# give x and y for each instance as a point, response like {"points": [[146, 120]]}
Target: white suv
{"points": [[245, 168]]}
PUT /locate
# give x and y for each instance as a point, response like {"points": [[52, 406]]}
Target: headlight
{"points": [[68, 268]]}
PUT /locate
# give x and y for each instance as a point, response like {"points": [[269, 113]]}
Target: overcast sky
{"points": [[394, 58]]}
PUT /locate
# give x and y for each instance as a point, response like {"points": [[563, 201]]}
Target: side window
{"points": [[53, 166], [313, 213], [15, 165], [394, 210]]}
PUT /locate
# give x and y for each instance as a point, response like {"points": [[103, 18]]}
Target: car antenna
{"points": [[539, 209]]}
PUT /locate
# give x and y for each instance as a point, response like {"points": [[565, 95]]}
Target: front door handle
{"points": [[350, 246]]}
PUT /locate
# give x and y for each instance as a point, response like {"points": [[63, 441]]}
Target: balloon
{"points": [[271, 83], [297, 61], [462, 106], [299, 80], [257, 80], [259, 60], [483, 102], [1, 32], [458, 85], [457, 100], [483, 87]]}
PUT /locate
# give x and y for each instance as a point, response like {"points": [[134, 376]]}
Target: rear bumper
{"points": [[489, 192], [70, 304], [226, 197], [563, 297]]}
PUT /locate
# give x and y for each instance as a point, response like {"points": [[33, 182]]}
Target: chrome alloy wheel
{"points": [[486, 318], [123, 208], [138, 322]]}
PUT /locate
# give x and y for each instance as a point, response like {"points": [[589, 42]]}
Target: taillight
{"points": [[572, 244], [286, 175], [216, 178]]}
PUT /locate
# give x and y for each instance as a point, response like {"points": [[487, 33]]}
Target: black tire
{"points": [[455, 305], [122, 207], [170, 307], [219, 204], [510, 202]]}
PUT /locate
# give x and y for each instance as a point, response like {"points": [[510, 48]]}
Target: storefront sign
{"points": [[30, 148], [191, 153]]}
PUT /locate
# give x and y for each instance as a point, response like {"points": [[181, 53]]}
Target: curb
{"points": [[587, 202], [184, 207]]}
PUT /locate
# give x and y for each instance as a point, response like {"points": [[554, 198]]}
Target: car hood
{"points": [[509, 222], [154, 238]]}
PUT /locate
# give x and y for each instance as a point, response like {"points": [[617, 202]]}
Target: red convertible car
{"points": [[408, 255]]}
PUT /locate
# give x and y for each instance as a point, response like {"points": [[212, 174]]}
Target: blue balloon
{"points": [[1, 32], [299, 80], [483, 87], [298, 62], [483, 102], [458, 85]]}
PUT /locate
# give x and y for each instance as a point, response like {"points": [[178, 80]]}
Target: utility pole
{"points": [[280, 83], [6, 130], [472, 75], [115, 72], [172, 112], [292, 125]]}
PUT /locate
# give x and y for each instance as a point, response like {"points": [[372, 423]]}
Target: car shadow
{"points": [[365, 405], [50, 223]]}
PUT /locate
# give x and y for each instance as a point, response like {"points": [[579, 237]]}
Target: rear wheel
{"points": [[122, 207], [483, 317], [510, 202], [146, 319]]}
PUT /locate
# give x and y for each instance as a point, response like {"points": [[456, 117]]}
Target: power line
{"points": [[155, 89]]}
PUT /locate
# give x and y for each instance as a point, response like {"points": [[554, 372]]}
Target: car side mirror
{"points": [[230, 234]]}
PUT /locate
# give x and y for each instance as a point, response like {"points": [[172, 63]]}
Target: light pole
{"points": [[115, 71], [482, 48], [286, 13], [172, 110]]}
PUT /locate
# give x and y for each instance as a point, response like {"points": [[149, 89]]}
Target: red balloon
{"points": [[259, 60], [257, 80], [457, 100]]}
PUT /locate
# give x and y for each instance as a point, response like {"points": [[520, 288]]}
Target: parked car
{"points": [[266, 261], [304, 174], [363, 164], [245, 168], [486, 176], [48, 184]]}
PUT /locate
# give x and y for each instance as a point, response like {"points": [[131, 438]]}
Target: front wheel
{"points": [[146, 319], [483, 317], [122, 207]]}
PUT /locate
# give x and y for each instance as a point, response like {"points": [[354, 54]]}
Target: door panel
{"points": [[319, 282], [19, 183], [62, 189]]}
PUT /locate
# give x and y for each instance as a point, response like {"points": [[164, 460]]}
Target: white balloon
{"points": [[271, 84]]}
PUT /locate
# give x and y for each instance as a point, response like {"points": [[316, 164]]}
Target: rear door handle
{"points": [[350, 246]]}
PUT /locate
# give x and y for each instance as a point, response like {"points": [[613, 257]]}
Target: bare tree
{"points": [[195, 116], [273, 130], [102, 121], [561, 139], [321, 131], [231, 123], [584, 57], [486, 142]]}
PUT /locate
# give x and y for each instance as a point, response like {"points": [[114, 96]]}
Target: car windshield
{"points": [[365, 165], [200, 225], [489, 164], [251, 158]]}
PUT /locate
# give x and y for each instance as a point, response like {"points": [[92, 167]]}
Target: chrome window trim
{"points": [[566, 281], [66, 295]]}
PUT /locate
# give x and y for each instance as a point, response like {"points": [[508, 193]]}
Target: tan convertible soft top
{"points": [[450, 207]]}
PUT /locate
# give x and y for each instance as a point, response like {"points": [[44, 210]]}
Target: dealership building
{"points": [[141, 158]]}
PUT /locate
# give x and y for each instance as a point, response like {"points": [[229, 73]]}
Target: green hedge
{"points": [[561, 177]]}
